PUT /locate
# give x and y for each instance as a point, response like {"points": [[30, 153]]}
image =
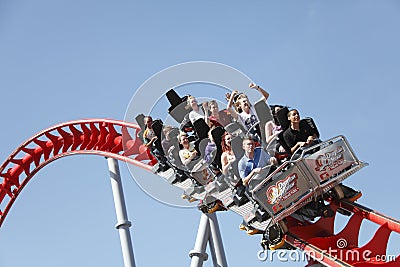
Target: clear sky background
{"points": [[336, 61]]}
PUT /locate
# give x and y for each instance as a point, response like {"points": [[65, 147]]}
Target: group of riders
{"points": [[237, 143]]}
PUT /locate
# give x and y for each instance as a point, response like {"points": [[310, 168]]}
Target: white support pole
{"points": [[122, 218], [216, 245], [198, 254]]}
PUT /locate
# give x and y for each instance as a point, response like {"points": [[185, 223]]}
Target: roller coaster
{"points": [[292, 206]]}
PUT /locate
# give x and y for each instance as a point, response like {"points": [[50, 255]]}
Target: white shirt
{"points": [[195, 115], [248, 120]]}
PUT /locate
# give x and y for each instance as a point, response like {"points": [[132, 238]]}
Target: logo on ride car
{"points": [[331, 159], [283, 189]]}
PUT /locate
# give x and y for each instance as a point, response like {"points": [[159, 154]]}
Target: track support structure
{"points": [[208, 232], [123, 224]]}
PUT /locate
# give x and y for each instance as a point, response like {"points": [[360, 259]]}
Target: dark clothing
{"points": [[291, 137]]}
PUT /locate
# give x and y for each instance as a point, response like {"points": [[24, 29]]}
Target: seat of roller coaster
{"points": [[173, 98], [217, 134], [140, 121], [186, 125], [311, 123], [282, 118], [201, 132], [273, 149], [236, 144], [264, 115], [240, 198], [179, 112], [178, 105], [201, 128], [175, 156], [262, 215], [180, 176], [172, 141], [157, 126], [200, 146], [235, 129], [173, 134], [172, 155], [263, 111], [282, 142], [192, 138]]}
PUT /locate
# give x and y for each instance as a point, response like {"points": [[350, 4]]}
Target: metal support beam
{"points": [[208, 231], [216, 245], [198, 254], [123, 223]]}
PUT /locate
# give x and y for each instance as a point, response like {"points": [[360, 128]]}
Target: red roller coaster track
{"points": [[109, 138], [112, 138]]}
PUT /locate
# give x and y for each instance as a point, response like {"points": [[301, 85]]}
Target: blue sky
{"points": [[336, 61]]}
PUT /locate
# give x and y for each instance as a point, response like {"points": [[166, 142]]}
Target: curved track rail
{"points": [[105, 137], [112, 138]]}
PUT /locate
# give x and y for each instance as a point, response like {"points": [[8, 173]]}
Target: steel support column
{"points": [[123, 223], [208, 231]]}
